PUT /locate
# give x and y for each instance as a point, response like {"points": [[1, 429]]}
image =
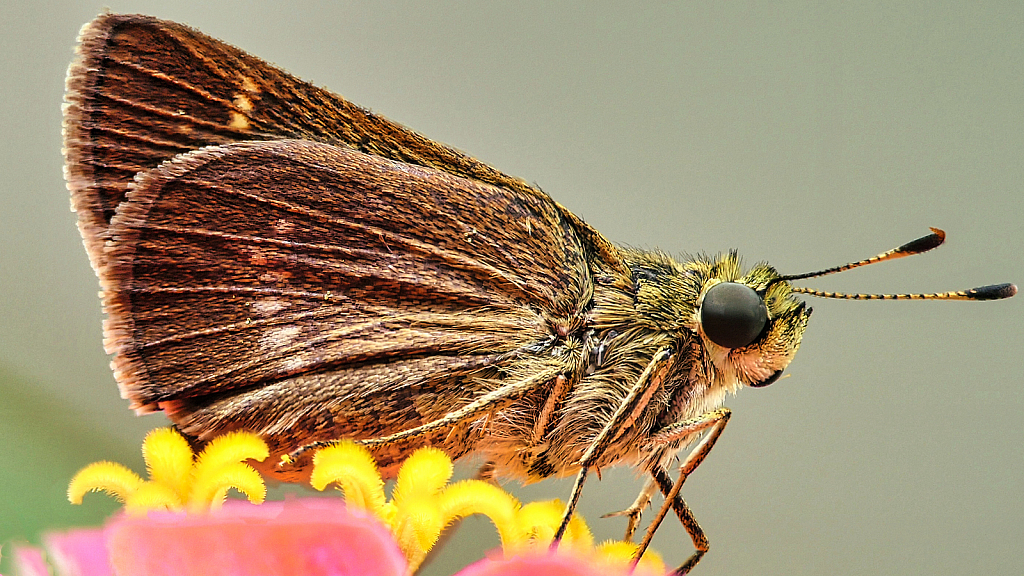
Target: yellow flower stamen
{"points": [[423, 474], [110, 477], [152, 496], [221, 466], [617, 553], [475, 497], [539, 521], [351, 467], [210, 488], [168, 460], [178, 479], [423, 504]]}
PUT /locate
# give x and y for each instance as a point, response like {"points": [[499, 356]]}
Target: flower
{"points": [[298, 537], [174, 524]]}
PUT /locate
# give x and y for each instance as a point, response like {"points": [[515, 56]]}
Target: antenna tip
{"points": [[993, 292], [924, 243]]}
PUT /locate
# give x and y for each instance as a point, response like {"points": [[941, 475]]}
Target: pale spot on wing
{"points": [[243, 103], [269, 306], [274, 276], [249, 86], [238, 121], [280, 338]]}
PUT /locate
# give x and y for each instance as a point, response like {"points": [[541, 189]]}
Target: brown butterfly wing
{"points": [[303, 290], [143, 90], [308, 291]]}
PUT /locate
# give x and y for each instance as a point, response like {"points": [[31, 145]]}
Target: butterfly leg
{"points": [[540, 427], [630, 408], [486, 472], [636, 508], [716, 421]]}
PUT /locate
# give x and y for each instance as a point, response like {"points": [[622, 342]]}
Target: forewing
{"points": [[142, 90]]}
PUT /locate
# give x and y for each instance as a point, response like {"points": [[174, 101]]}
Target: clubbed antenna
{"points": [[993, 292], [923, 244]]}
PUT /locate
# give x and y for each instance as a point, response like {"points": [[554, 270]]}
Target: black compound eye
{"points": [[732, 315]]}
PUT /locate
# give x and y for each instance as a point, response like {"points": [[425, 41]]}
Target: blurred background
{"points": [[807, 134]]}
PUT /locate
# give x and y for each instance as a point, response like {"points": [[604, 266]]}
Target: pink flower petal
{"points": [[78, 552], [308, 537], [28, 561], [544, 564]]}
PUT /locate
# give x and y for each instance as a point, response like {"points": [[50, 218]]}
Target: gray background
{"points": [[806, 134]]}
